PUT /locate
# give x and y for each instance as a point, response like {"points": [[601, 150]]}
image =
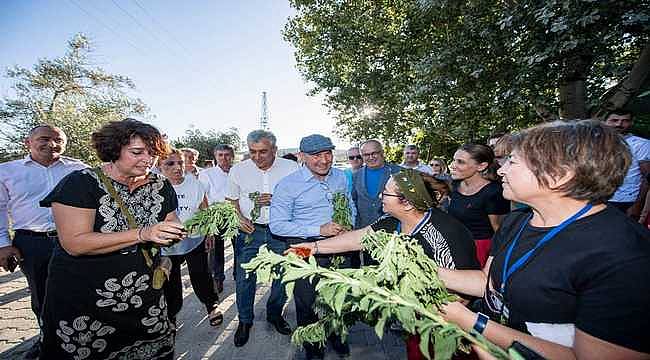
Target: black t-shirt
{"points": [[593, 275], [443, 238], [473, 210], [149, 203]]}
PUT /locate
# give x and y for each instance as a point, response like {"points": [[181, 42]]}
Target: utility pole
{"points": [[264, 116]]}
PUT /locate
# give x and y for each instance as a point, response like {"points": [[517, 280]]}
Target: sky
{"points": [[201, 64]]}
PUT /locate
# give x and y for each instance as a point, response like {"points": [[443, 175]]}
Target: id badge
{"points": [[505, 314], [502, 307]]}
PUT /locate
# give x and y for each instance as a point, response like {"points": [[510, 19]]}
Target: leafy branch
{"points": [[218, 218], [404, 286]]}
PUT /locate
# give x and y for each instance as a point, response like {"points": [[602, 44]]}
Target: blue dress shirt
{"points": [[302, 203]]}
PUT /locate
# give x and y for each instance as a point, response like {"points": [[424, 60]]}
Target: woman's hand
{"points": [[307, 245], [164, 233]]}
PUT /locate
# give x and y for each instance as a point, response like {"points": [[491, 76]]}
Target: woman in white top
{"points": [[191, 194]]}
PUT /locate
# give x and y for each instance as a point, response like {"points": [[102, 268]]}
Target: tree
{"points": [[205, 142], [68, 92], [460, 70]]}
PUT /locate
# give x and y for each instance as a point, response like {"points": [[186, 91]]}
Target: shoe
{"points": [[242, 334], [215, 316], [34, 352], [281, 325]]}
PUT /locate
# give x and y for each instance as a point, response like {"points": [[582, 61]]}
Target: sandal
{"points": [[215, 316]]}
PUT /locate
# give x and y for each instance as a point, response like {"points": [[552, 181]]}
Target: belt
{"points": [[51, 233], [266, 226]]}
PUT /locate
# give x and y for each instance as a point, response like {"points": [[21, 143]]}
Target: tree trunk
{"points": [[573, 89], [620, 95]]}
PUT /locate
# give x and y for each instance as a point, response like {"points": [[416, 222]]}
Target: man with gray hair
{"points": [[412, 161], [250, 189], [23, 183], [191, 156]]}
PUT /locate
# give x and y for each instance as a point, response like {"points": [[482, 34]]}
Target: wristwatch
{"points": [[481, 323]]}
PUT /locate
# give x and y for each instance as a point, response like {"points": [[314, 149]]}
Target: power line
{"points": [[137, 22], [98, 20], [160, 25]]}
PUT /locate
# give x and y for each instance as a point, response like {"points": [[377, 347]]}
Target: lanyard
{"points": [[508, 271], [417, 227]]}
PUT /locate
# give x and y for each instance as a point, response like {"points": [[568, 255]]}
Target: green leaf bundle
{"points": [[217, 219], [404, 286], [342, 214]]}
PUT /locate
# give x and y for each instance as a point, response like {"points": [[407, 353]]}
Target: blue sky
{"points": [[200, 63]]}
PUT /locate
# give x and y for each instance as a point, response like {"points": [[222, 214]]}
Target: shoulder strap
{"points": [[148, 253]]}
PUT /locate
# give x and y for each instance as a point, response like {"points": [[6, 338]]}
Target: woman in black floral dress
{"points": [[101, 302]]}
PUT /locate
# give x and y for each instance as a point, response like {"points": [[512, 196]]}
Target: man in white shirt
{"points": [[412, 161], [23, 183], [630, 195], [250, 187], [216, 180]]}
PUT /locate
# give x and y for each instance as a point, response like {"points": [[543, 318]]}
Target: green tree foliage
{"points": [[68, 92], [446, 72], [205, 142]]}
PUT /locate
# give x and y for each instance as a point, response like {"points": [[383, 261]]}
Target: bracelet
{"points": [[481, 323], [316, 247], [140, 239]]}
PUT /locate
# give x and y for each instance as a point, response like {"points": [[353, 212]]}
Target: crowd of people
{"points": [[543, 233]]}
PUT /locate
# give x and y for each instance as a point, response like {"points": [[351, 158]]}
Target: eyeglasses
{"points": [[373, 154], [356, 157], [387, 194]]}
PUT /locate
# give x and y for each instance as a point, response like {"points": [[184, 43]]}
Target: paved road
{"points": [[196, 339]]}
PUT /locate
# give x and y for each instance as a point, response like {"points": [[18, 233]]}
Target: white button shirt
{"points": [[23, 183], [216, 180], [245, 178]]}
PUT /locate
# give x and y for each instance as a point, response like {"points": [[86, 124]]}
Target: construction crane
{"points": [[264, 114]]}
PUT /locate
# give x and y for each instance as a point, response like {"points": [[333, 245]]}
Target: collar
{"points": [[28, 159]]}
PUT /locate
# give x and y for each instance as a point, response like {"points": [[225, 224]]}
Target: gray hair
{"points": [[256, 136], [411, 147], [374, 141]]}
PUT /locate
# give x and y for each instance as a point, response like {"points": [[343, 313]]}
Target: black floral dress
{"points": [[103, 306]]}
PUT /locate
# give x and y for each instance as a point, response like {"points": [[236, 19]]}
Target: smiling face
{"points": [[519, 182], [373, 155], [135, 159], [224, 159], [262, 153], [46, 145], [354, 158], [319, 164], [173, 168], [464, 166]]}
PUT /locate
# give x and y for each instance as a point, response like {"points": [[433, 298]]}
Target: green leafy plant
{"points": [[342, 214], [218, 218], [404, 286], [255, 213]]}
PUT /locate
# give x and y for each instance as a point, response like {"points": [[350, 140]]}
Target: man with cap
{"points": [[302, 211], [250, 189]]}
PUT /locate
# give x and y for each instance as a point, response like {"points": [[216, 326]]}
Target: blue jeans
{"points": [[246, 283]]}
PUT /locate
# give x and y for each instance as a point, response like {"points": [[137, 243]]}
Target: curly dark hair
{"points": [[109, 140]]}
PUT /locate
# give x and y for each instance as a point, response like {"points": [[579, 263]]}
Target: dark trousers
{"points": [[36, 251], [304, 293], [200, 277], [218, 259]]}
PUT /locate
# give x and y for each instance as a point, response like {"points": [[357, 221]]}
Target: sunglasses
{"points": [[356, 157]]}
